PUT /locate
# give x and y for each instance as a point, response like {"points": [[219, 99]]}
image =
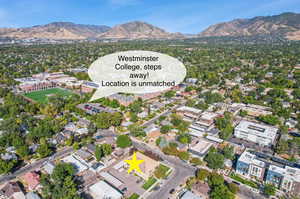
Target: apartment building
{"points": [[189, 113], [206, 121], [250, 166], [284, 178]]}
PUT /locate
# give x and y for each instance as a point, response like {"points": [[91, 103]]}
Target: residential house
{"points": [[32, 195], [48, 168], [31, 180], [12, 190], [79, 165]]}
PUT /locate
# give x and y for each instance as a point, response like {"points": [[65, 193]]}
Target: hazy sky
{"points": [[187, 16]]}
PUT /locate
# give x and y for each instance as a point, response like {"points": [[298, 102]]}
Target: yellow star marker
{"points": [[134, 164]]}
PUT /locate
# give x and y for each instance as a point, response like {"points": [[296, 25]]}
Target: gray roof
{"points": [[9, 156], [49, 167], [32, 195], [83, 154], [91, 148], [190, 195]]}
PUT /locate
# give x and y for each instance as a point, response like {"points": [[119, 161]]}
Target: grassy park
{"points": [[149, 183], [41, 96]]}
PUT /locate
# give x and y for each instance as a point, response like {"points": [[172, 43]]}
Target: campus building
{"points": [[261, 134], [88, 87], [36, 86], [284, 178], [250, 166], [124, 100]]}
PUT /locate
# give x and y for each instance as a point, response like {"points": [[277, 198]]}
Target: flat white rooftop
{"points": [[74, 161], [288, 172], [257, 129], [202, 146], [189, 109], [102, 190], [251, 159], [208, 115]]}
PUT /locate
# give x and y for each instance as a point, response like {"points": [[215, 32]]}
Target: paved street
{"points": [[35, 165], [181, 171], [151, 121]]}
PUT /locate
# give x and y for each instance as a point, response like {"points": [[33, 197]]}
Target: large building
{"points": [[206, 121], [189, 113], [252, 109], [124, 100], [250, 166], [102, 190], [88, 87], [36, 86], [261, 134], [200, 148], [285, 178], [43, 81]]}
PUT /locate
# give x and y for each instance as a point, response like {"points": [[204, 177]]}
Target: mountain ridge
{"points": [[138, 30], [55, 30], [284, 25]]}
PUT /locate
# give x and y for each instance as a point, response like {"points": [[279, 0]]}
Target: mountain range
{"points": [[286, 25]]}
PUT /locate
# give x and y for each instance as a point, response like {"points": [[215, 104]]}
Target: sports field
{"points": [[42, 95]]}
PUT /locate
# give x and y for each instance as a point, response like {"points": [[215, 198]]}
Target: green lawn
{"points": [[244, 181], [161, 171], [149, 183], [134, 196], [42, 95]]}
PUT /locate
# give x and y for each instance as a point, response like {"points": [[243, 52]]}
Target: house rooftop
{"points": [[32, 179], [32, 195], [49, 167], [80, 167]]}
